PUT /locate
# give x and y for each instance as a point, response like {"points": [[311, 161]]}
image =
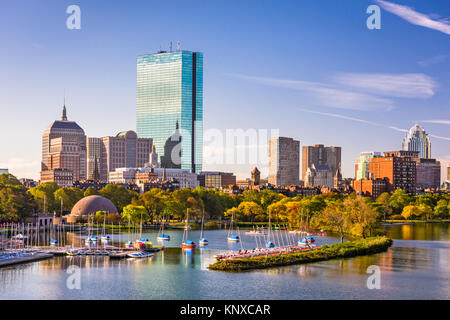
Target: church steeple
{"points": [[64, 113]]}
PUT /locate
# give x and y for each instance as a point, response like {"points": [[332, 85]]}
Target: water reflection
{"points": [[177, 274]]}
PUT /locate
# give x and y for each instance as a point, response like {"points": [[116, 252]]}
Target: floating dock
{"points": [[25, 259]]}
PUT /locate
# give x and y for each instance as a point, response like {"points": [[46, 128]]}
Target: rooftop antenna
{"points": [[178, 46]]}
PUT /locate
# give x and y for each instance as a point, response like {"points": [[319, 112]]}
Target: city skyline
{"points": [[305, 92]]}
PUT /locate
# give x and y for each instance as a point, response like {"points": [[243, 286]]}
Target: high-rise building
{"points": [[170, 98], [428, 174], [69, 143], [65, 154], [125, 150], [93, 151], [321, 155], [284, 161], [398, 167], [448, 173], [417, 140], [362, 164]]}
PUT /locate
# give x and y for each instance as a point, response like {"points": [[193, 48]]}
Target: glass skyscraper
{"points": [[417, 140], [170, 106]]}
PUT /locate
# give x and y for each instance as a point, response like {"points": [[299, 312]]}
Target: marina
{"points": [[413, 261]]}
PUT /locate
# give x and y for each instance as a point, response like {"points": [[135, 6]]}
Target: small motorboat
{"points": [[163, 237], [188, 244], [255, 233], [73, 253], [203, 242], [141, 254], [233, 238]]}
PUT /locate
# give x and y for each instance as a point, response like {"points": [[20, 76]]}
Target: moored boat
{"points": [[141, 254], [163, 237], [233, 238]]}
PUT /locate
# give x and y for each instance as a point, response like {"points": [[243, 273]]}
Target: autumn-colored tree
{"points": [[411, 212], [250, 210]]}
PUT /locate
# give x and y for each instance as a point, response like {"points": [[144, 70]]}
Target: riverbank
{"points": [[340, 250]]}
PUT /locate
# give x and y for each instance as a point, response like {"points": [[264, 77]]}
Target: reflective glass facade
{"points": [[170, 92]]}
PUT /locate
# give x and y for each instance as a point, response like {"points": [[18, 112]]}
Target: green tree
{"points": [[135, 214], [68, 197], [335, 217], [118, 195], [384, 201], [46, 191], [441, 210], [399, 200], [8, 179], [362, 216], [91, 192], [15, 203]]}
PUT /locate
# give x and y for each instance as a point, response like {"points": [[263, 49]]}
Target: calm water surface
{"points": [[416, 267]]}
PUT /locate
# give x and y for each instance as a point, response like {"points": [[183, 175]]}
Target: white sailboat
{"points": [[231, 236], [203, 241], [161, 235]]}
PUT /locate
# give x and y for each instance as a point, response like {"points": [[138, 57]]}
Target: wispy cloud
{"points": [[410, 85], [434, 60], [414, 17], [326, 95], [437, 121], [340, 116]]}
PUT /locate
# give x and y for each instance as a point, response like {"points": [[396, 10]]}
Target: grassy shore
{"points": [[340, 250]]}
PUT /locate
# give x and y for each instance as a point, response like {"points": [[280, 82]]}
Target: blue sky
{"points": [[311, 69]]}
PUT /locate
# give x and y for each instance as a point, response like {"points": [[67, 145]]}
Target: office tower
{"points": [[417, 140], [93, 151], [398, 167], [73, 137], [428, 172], [362, 164], [125, 150], [284, 161], [169, 106], [320, 155], [65, 154], [448, 172]]}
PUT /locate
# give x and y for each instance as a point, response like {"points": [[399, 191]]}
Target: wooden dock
{"points": [[121, 255], [25, 259]]}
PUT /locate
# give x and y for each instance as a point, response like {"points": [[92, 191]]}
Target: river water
{"points": [[416, 267]]}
